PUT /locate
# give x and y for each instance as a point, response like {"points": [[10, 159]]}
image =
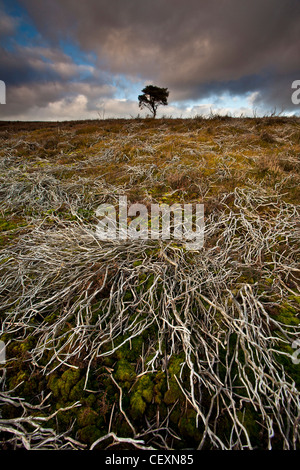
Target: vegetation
{"points": [[152, 97], [145, 344]]}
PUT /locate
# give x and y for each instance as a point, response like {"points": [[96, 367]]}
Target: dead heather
{"points": [[145, 344]]}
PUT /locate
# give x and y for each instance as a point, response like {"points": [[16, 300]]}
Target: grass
{"points": [[145, 342]]}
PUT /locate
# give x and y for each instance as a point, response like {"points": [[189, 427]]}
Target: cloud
{"points": [[41, 100], [39, 78], [75, 107], [197, 49], [25, 64], [8, 25], [193, 47]]}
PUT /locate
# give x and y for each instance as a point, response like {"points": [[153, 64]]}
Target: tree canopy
{"points": [[152, 97]]}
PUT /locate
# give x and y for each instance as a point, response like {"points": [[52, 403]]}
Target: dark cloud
{"points": [[193, 47], [38, 76], [196, 48]]}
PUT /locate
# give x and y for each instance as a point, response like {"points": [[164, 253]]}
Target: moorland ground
{"points": [[145, 344]]}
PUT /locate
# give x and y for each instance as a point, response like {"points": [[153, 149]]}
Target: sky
{"points": [[69, 59]]}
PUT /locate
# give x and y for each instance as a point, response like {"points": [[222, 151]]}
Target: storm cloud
{"points": [[197, 49]]}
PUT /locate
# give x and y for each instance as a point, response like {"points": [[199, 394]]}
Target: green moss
{"points": [[175, 415], [187, 427], [147, 394], [159, 389], [296, 298], [9, 228], [122, 428], [90, 434], [20, 377], [141, 281], [85, 214], [174, 393], [76, 392], [137, 263], [287, 315], [12, 223], [90, 400], [149, 282], [62, 387], [19, 349], [86, 417], [144, 387], [137, 406], [125, 371], [143, 393], [50, 319], [128, 296], [131, 350]]}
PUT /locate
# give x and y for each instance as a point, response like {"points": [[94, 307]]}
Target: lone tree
{"points": [[153, 96]]}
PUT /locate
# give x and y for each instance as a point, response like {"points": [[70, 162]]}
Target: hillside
{"points": [[144, 343]]}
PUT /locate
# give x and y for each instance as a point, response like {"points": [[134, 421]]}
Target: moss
{"points": [[287, 315], [147, 394], [108, 361], [50, 319], [20, 348], [19, 351], [187, 427], [61, 387], [174, 393], [28, 344], [90, 400], [90, 434], [11, 223], [149, 282], [85, 214], [131, 350], [96, 312], [76, 391], [175, 415], [9, 228], [122, 428], [159, 389], [295, 298], [143, 393], [144, 387], [128, 296], [125, 371], [86, 417], [137, 406], [18, 378], [142, 277], [137, 263]]}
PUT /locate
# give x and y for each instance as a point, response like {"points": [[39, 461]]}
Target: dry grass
{"points": [[145, 342]]}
